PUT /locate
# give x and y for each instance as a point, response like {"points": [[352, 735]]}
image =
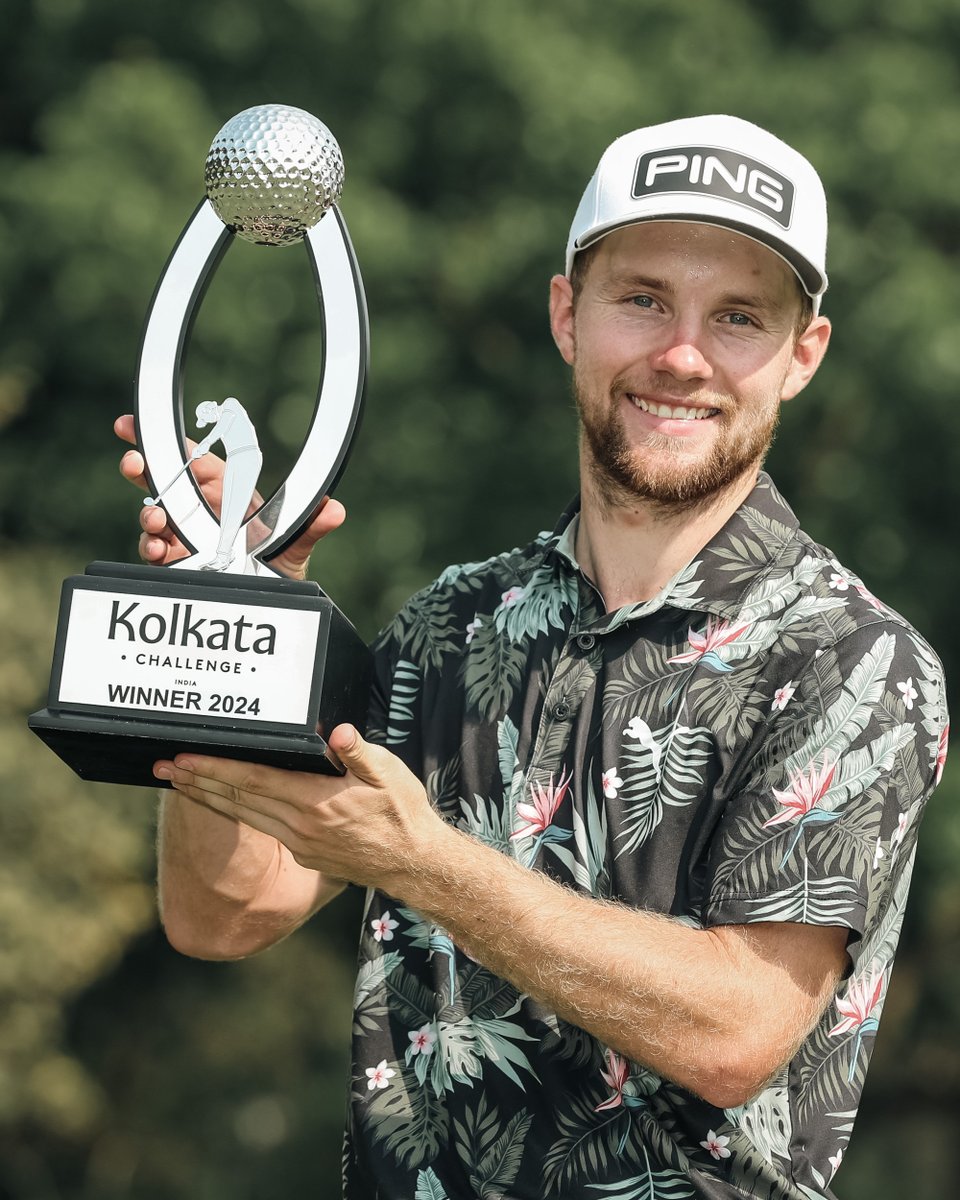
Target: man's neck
{"points": [[631, 549]]}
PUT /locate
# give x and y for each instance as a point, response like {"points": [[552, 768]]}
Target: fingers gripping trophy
{"points": [[217, 651]]}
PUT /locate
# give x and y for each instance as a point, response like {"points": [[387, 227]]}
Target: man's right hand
{"points": [[159, 543]]}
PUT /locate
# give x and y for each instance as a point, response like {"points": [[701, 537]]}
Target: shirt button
{"points": [[586, 641], [561, 710]]}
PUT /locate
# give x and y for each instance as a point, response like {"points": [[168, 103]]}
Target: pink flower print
{"points": [[908, 692], [716, 1144], [839, 582], [805, 791], [422, 1040], [783, 696], [835, 1160], [902, 822], [705, 645], [383, 927], [800, 802], [546, 800], [877, 854], [856, 1012], [511, 596], [611, 783], [864, 594], [615, 1076], [380, 1075], [861, 999], [942, 751], [472, 627]]}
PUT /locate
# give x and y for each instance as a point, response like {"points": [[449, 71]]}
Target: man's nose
{"points": [[682, 357]]}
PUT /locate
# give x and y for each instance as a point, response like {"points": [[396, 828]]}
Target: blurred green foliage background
{"points": [[469, 129]]}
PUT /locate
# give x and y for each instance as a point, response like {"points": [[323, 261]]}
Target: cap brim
{"points": [[814, 282]]}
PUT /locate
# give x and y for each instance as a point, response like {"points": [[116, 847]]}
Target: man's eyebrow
{"points": [[634, 281], [747, 300]]}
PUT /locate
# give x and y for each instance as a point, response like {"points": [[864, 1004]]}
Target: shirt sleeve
{"points": [[825, 822]]}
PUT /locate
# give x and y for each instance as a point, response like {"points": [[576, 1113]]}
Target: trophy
{"points": [[217, 652]]}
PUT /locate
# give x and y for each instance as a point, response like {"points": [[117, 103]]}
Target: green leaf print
{"points": [[443, 784], [589, 865], [484, 994], [824, 1073], [858, 769], [774, 593], [663, 767], [371, 976], [457, 1043], [488, 821], [507, 742], [766, 529], [731, 704], [651, 1185], [590, 1144], [404, 690], [849, 715], [491, 671], [766, 1121], [497, 1169], [429, 1186], [426, 629], [410, 1001], [541, 604], [370, 1003], [834, 900], [498, 1039], [639, 680], [408, 1119], [479, 1129], [933, 710]]}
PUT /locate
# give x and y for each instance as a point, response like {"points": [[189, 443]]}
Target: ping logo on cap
{"points": [[711, 171]]}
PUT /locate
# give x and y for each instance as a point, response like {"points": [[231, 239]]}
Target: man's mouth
{"points": [[673, 412]]}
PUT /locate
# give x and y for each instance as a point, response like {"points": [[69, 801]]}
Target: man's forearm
{"points": [[226, 890], [681, 1001]]}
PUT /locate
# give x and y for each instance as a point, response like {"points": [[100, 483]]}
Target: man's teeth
{"points": [[674, 414]]}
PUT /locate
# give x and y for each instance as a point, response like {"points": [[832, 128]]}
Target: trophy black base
{"points": [[114, 751], [151, 662]]}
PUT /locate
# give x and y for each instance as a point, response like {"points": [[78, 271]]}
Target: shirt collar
{"points": [[717, 578]]}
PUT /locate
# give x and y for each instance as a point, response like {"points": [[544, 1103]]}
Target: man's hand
{"points": [[372, 826], [159, 544]]}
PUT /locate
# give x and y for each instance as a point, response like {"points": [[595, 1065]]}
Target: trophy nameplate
{"points": [[217, 652]]}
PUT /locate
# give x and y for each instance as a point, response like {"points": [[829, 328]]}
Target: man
{"points": [[639, 831]]}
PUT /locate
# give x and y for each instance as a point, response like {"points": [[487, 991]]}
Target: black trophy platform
{"points": [[150, 662]]}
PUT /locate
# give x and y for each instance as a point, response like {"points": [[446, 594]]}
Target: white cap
{"points": [[714, 170]]}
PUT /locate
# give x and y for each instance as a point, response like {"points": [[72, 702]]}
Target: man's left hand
{"points": [[371, 826]]}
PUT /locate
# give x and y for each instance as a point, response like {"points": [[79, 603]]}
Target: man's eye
{"points": [[642, 301], [739, 318]]}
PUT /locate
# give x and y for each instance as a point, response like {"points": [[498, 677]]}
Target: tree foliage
{"points": [[469, 130]]}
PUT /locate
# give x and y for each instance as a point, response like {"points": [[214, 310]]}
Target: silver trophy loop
{"points": [[271, 174]]}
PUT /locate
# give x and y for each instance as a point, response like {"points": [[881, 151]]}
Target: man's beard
{"points": [[659, 473]]}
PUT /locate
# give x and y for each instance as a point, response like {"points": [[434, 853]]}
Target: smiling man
{"points": [[639, 828]]}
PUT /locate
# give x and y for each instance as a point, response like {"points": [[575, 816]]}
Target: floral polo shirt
{"points": [[754, 744]]}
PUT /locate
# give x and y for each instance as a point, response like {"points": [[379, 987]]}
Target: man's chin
{"points": [[682, 487]]}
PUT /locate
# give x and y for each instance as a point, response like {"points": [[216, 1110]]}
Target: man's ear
{"points": [[808, 352], [561, 317]]}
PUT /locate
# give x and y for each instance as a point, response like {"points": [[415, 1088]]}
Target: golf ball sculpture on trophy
{"points": [[217, 652]]}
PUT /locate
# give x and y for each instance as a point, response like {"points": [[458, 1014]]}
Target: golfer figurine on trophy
{"points": [[216, 651], [233, 428]]}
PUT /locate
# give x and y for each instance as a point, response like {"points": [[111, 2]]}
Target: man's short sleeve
{"points": [[825, 821]]}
